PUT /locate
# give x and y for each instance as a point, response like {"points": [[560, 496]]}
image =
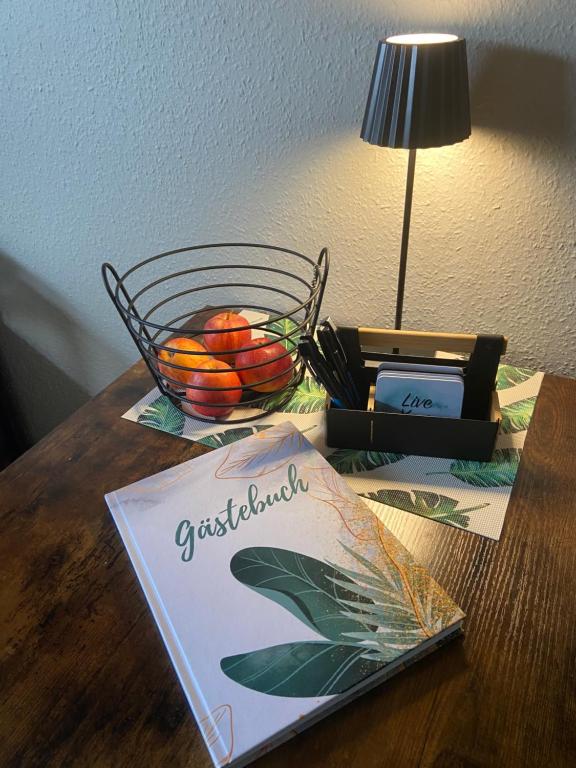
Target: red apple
{"points": [[177, 355], [224, 344], [271, 361], [217, 375]]}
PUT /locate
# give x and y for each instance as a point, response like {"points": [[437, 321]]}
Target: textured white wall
{"points": [[133, 126]]}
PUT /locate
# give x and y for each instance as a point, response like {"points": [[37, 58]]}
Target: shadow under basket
{"points": [[174, 294], [471, 436]]}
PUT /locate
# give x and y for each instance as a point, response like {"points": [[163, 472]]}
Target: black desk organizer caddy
{"points": [[470, 437]]}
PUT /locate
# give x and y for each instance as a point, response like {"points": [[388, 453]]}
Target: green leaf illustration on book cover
{"points": [[516, 416], [510, 376], [162, 414], [309, 397], [501, 471], [347, 461], [382, 552], [301, 669], [434, 506], [230, 436], [368, 616], [403, 611], [314, 592]]}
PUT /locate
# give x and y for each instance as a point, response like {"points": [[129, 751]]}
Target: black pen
{"points": [[321, 371], [341, 362], [312, 355], [317, 375], [338, 371], [333, 328]]}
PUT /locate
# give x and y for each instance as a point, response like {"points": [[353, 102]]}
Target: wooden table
{"points": [[85, 679]]}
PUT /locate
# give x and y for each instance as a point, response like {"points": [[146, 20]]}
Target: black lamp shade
{"points": [[419, 94]]}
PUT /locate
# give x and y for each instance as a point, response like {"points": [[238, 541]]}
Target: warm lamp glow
{"points": [[425, 38]]}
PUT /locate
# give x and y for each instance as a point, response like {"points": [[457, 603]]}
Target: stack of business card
{"points": [[419, 389]]}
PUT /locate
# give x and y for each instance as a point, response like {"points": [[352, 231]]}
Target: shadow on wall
{"points": [[13, 436], [523, 92], [39, 391]]}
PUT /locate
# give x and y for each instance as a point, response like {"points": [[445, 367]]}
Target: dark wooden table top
{"points": [[85, 679]]}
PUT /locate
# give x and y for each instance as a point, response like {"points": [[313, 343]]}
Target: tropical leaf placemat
{"points": [[305, 410], [471, 495]]}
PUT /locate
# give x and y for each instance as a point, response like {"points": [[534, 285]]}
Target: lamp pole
{"points": [[418, 97], [405, 237]]}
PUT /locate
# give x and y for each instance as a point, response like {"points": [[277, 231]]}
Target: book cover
{"points": [[279, 595]]}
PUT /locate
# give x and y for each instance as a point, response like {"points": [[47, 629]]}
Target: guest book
{"points": [[279, 595]]}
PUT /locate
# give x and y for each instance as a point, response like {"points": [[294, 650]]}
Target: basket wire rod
{"points": [[258, 416], [298, 326], [277, 337], [293, 364], [196, 331], [272, 319], [227, 353], [191, 369], [256, 402], [187, 399], [107, 267], [302, 304], [180, 387], [215, 245], [210, 267], [198, 289]]}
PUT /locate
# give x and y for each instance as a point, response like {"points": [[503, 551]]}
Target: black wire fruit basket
{"points": [[218, 324]]}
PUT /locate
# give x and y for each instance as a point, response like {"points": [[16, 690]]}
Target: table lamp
{"points": [[418, 98]]}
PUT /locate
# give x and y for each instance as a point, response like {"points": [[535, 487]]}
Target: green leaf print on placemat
{"points": [[347, 461], [434, 506], [516, 416], [283, 328], [501, 471], [163, 415], [510, 376], [309, 397]]}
